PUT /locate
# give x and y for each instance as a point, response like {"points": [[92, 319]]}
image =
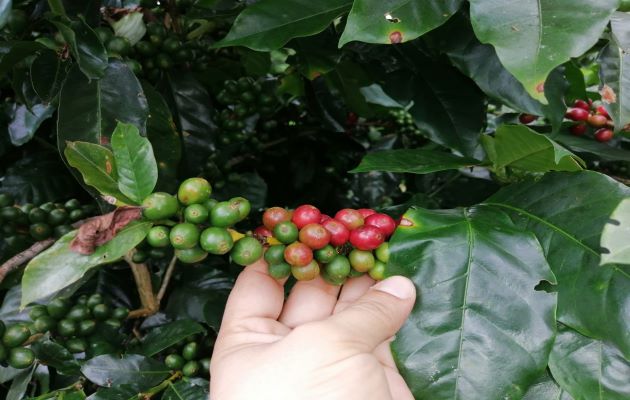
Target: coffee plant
{"points": [[152, 149]]}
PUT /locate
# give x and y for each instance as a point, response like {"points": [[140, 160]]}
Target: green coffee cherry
{"points": [[15, 335], [21, 357], [174, 362]]}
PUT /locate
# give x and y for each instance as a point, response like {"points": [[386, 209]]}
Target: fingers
{"points": [[352, 290], [377, 315], [309, 301], [255, 295], [397, 386]]}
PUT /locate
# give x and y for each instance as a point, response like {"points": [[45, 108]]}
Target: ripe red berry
{"points": [[275, 215], [314, 236], [324, 218], [382, 221], [581, 104], [527, 118], [366, 212], [601, 110], [597, 120], [578, 129], [367, 237], [603, 135], [339, 234], [577, 114], [305, 214], [352, 219], [262, 232], [298, 254]]}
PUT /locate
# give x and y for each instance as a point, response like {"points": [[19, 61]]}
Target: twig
{"points": [[167, 278], [162, 386], [142, 276]]}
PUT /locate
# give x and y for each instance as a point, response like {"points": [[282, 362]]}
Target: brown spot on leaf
{"points": [[108, 167], [99, 230], [608, 94], [395, 37], [540, 88], [405, 222]]}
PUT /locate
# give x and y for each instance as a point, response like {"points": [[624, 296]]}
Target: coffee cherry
{"points": [[325, 254], [196, 214], [58, 308], [21, 357], [66, 327], [242, 205], [298, 254], [224, 214], [305, 214], [159, 205], [275, 254], [191, 368], [382, 252], [578, 129], [37, 215], [184, 236], [597, 120], [352, 219], [339, 267], [190, 351], [94, 300], [15, 335], [382, 221], [158, 236], [603, 135], [194, 191], [98, 348], [86, 327], [246, 251], [191, 256], [339, 234], [324, 218], [120, 313], [76, 345], [44, 323], [216, 240], [6, 200], [40, 231], [139, 256], [57, 217], [101, 312], [174, 362], [274, 215], [366, 212], [119, 46], [332, 280], [366, 237], [378, 271], [577, 114], [76, 215], [361, 260], [581, 104], [280, 270], [112, 323], [601, 110], [286, 232], [157, 254], [527, 118], [314, 236], [78, 313], [35, 312], [306, 273]]}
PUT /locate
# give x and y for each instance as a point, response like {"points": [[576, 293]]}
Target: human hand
{"points": [[318, 345]]}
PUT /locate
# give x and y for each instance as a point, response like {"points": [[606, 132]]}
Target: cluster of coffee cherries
{"points": [[203, 225], [85, 324], [590, 118], [405, 122], [13, 349], [306, 243], [191, 356], [29, 222], [244, 99]]}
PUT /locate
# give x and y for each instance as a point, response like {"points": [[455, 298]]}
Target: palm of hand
{"points": [[317, 345]]}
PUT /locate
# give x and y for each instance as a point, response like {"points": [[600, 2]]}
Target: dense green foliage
{"points": [[498, 133]]}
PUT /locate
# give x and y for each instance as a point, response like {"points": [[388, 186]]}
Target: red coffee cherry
{"points": [[352, 219], [298, 254], [581, 104], [527, 118], [305, 214], [578, 129], [601, 110], [382, 221], [577, 114], [603, 135], [366, 212], [275, 215], [262, 232], [314, 236], [339, 234], [597, 120], [324, 218], [367, 237]]}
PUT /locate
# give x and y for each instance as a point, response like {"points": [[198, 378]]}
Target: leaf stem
{"points": [[159, 388], [167, 278], [142, 276]]}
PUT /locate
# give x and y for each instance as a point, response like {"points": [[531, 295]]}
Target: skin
{"points": [[322, 342]]}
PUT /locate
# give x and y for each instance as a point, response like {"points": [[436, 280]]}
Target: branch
{"points": [[167, 278], [142, 276]]}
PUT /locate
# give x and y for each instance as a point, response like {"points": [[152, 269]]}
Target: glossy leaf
{"points": [[26, 122], [532, 38], [131, 369], [415, 161], [20, 384], [545, 388], [616, 236], [165, 336], [586, 145], [56, 356], [97, 167], [58, 267], [567, 212], [5, 11], [269, 24], [119, 392], [615, 71], [186, 390], [137, 168], [47, 75], [517, 146], [86, 48], [589, 369], [13, 52], [395, 21], [478, 309]]}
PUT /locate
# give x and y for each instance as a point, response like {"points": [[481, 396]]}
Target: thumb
{"points": [[378, 315]]}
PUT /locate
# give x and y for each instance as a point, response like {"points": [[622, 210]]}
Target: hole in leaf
{"points": [[390, 18], [546, 286]]}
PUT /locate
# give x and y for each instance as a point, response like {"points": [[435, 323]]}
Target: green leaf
{"points": [[567, 212], [47, 75], [120, 392], [85, 46], [587, 145], [137, 168], [13, 52], [165, 336], [59, 267], [395, 21], [56, 356], [517, 146], [97, 167], [614, 62], [616, 236], [130, 369], [415, 161], [25, 122], [532, 38], [589, 369], [20, 384], [186, 390], [166, 141], [545, 388], [477, 310], [375, 94], [269, 24], [5, 12], [130, 26]]}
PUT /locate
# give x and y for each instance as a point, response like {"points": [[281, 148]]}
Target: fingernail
{"points": [[397, 286]]}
